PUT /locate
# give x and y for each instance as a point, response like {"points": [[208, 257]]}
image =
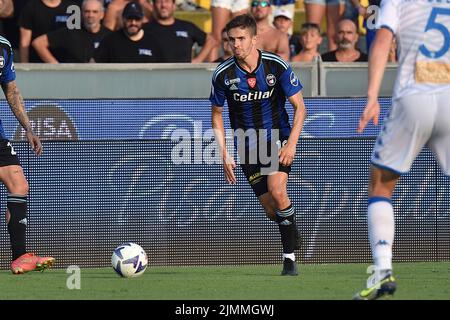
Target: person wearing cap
{"points": [[175, 37], [283, 21], [77, 45], [131, 44], [285, 5], [113, 14], [269, 38]]}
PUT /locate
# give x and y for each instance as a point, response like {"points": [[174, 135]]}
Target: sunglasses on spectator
{"points": [[261, 4]]}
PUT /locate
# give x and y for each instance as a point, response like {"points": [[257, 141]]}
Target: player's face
{"points": [[346, 35], [260, 9], [282, 23], [133, 26], [241, 42], [92, 14], [164, 9]]}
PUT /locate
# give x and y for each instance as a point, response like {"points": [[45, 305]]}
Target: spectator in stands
{"points": [[132, 44], [223, 11], [347, 37], [333, 9], [311, 40], [362, 10], [269, 38], [37, 18], [284, 5], [6, 11], [366, 12], [175, 38], [226, 48], [11, 25], [283, 21], [78, 45], [113, 14], [6, 8]]}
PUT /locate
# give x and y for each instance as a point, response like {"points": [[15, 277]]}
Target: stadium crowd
{"points": [[78, 31]]}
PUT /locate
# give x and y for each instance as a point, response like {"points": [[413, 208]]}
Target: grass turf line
{"points": [[430, 280]]}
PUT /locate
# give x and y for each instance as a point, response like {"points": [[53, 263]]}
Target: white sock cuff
{"points": [[289, 255]]}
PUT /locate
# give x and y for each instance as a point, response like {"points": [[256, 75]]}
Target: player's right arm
{"points": [[17, 106], [219, 132], [217, 98], [377, 63], [41, 45], [15, 101], [378, 57]]}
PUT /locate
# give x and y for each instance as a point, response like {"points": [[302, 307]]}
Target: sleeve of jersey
{"points": [[8, 74], [388, 15], [217, 96], [290, 82]]}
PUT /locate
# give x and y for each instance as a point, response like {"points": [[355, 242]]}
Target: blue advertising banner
{"points": [[87, 197], [158, 118]]}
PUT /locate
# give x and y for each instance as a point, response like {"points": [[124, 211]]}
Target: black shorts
{"points": [[8, 156], [256, 172], [258, 181]]}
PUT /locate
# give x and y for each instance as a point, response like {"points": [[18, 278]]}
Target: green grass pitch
{"points": [[429, 280]]}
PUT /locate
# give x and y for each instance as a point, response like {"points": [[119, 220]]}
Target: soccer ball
{"points": [[129, 260]]}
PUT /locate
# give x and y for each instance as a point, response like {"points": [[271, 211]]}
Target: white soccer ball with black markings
{"points": [[129, 260]]}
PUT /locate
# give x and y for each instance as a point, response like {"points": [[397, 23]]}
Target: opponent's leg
{"points": [[380, 218], [16, 218]]}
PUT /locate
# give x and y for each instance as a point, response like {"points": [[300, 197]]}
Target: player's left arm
{"points": [[17, 106], [287, 152]]}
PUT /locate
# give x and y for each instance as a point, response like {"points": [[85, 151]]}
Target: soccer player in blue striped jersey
{"points": [[255, 85], [11, 173]]}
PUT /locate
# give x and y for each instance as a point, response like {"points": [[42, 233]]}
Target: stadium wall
{"points": [[110, 175], [178, 80]]}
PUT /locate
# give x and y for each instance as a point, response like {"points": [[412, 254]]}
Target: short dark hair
{"points": [[243, 21], [309, 25]]}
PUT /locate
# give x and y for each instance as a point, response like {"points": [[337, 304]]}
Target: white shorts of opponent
{"points": [[413, 122]]}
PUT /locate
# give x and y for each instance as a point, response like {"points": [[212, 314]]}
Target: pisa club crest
{"points": [[271, 80], [251, 82]]}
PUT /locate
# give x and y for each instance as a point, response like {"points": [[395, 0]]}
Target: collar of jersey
{"points": [[257, 66]]}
